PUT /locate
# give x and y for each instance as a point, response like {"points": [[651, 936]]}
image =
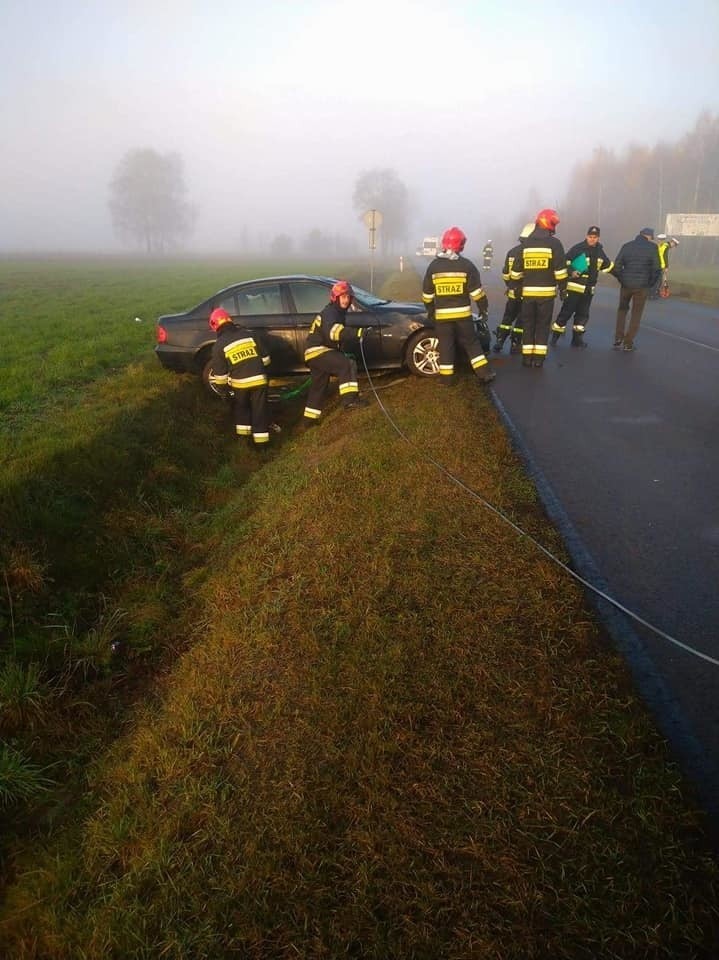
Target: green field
{"points": [[314, 701]]}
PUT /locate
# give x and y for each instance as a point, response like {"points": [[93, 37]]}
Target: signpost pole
{"points": [[372, 220]]}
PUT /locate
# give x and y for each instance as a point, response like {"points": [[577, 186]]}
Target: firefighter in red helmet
{"points": [[324, 356], [451, 285], [239, 361], [538, 273]]}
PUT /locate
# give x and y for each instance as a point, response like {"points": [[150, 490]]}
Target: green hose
{"points": [[295, 391]]}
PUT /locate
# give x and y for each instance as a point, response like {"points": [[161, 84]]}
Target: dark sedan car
{"points": [[282, 309]]}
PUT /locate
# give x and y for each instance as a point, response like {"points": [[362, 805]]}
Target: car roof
{"points": [[285, 277]]}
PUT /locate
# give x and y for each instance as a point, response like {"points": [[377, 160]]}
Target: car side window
{"points": [[309, 297], [228, 304], [261, 301]]}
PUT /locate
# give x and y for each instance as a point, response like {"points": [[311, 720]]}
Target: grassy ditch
{"points": [[352, 713]]}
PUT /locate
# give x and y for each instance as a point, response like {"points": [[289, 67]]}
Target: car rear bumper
{"points": [[177, 360]]}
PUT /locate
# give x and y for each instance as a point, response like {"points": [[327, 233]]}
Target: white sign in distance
{"points": [[692, 224]]}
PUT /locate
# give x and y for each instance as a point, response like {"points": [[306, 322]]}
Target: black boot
{"points": [[527, 360], [578, 340], [555, 338], [499, 345]]}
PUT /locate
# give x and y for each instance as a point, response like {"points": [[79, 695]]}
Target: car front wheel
{"points": [[423, 354]]}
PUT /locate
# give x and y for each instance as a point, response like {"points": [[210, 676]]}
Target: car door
{"points": [[309, 296], [262, 307]]}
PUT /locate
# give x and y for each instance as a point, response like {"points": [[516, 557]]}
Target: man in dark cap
{"points": [[637, 269], [585, 260]]}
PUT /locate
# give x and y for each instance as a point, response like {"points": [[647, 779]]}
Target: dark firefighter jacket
{"points": [[512, 255], [238, 359], [637, 263], [540, 267], [449, 288], [599, 262], [328, 332]]}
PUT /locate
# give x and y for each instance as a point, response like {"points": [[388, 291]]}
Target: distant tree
{"points": [[315, 243], [147, 200], [381, 189], [281, 245]]}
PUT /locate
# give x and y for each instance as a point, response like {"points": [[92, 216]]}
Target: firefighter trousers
{"points": [[450, 334], [535, 318], [509, 323], [329, 364], [576, 305], [252, 415]]}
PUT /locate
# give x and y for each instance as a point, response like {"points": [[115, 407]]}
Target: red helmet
{"points": [[339, 289], [453, 239], [547, 219], [218, 317]]}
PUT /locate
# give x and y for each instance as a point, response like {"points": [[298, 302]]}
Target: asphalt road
{"points": [[628, 446]]}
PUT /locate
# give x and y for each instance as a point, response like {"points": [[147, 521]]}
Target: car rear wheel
{"points": [[206, 372], [423, 354]]}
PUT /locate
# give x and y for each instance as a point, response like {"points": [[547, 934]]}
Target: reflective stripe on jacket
{"points": [[450, 286], [539, 270]]}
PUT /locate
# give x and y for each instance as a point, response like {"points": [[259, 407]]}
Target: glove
{"points": [[563, 293]]}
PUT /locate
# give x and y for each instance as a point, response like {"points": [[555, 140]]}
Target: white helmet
{"points": [[526, 230], [661, 236]]}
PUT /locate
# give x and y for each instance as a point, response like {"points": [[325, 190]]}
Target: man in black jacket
{"points": [[637, 269]]}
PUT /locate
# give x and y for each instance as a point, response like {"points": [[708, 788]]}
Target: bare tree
{"points": [[147, 200], [381, 189]]}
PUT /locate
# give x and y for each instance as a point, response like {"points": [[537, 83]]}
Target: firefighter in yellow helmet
{"points": [[509, 325]]}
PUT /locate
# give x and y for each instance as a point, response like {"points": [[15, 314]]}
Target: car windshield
{"points": [[365, 298]]}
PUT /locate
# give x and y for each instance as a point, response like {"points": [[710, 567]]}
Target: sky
{"points": [[277, 106]]}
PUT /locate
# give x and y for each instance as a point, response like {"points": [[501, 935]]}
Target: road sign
{"points": [[372, 219]]}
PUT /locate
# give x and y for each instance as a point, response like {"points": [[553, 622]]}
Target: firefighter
{"points": [[238, 369], [538, 272], [487, 254], [451, 285], [585, 261], [664, 245], [509, 325], [324, 356]]}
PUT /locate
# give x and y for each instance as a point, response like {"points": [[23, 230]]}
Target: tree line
{"points": [[642, 185], [621, 193]]}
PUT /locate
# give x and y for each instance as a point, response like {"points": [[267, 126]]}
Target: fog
{"points": [[276, 108]]}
